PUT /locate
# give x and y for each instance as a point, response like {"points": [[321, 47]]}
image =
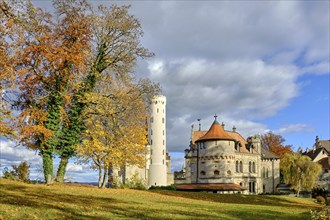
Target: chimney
{"points": [[223, 125], [234, 128]]}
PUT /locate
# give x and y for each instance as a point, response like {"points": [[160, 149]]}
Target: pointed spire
{"points": [[216, 132], [215, 119], [199, 124]]}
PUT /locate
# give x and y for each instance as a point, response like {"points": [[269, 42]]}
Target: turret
{"points": [[157, 140]]}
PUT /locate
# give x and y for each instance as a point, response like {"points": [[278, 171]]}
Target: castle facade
{"points": [[223, 161]]}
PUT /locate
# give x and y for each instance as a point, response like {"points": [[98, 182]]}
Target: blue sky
{"points": [[260, 65]]}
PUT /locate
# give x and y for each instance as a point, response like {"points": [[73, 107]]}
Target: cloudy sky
{"points": [[259, 65]]}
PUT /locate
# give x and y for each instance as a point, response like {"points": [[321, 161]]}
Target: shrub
{"points": [[135, 182], [171, 187], [319, 191], [320, 199], [322, 214], [20, 172]]}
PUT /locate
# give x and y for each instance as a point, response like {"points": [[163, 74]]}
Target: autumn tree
{"points": [[49, 55], [7, 76], [275, 143], [299, 171], [56, 59], [115, 118], [115, 51]]}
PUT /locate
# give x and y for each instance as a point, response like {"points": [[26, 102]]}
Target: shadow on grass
{"points": [[69, 205], [66, 205], [91, 203], [264, 200]]}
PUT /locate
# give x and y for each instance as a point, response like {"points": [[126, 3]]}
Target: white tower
{"points": [[157, 141]]}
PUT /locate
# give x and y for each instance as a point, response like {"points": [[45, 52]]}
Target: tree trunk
{"points": [[298, 188], [99, 183], [61, 169], [47, 160], [105, 177]]}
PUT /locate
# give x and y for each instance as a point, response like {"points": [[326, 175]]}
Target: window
{"points": [[267, 173], [163, 152], [151, 131], [263, 172], [241, 166], [163, 132], [157, 110], [150, 161], [237, 168], [151, 120], [151, 141], [151, 152], [253, 167], [250, 167], [163, 162], [216, 172], [163, 120], [252, 186], [203, 173]]}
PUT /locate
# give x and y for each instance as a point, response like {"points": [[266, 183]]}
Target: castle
{"points": [[157, 160], [223, 161]]}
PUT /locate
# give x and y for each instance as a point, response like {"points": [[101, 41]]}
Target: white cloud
{"points": [[11, 154], [243, 90], [292, 128]]}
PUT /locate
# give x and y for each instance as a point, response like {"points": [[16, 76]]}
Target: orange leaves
{"points": [[274, 143]]}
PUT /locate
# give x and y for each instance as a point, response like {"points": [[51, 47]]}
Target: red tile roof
{"points": [[216, 132]]}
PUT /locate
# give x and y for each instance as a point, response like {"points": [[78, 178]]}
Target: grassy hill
{"points": [[30, 201]]}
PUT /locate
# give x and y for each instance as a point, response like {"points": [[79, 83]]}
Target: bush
{"points": [[171, 187], [135, 182], [320, 199], [322, 214], [319, 191], [20, 172]]}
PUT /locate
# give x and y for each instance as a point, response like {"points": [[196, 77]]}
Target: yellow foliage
{"points": [[116, 129]]}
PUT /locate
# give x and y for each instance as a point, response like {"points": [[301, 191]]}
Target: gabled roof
{"points": [[325, 144], [314, 153], [216, 132], [197, 135], [238, 137], [266, 154]]}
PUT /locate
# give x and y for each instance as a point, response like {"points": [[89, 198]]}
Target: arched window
{"points": [[263, 172], [267, 173], [253, 167], [241, 166], [216, 172], [250, 167], [203, 173], [237, 168]]}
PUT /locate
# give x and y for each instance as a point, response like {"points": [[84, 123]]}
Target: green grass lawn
{"points": [[29, 201]]}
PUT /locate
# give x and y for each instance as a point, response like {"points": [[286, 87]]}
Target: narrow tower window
{"points": [[163, 120]]}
